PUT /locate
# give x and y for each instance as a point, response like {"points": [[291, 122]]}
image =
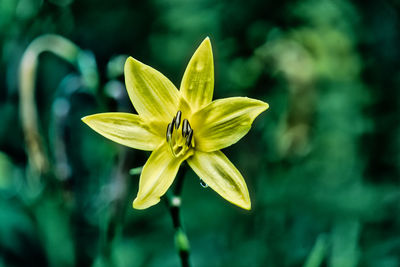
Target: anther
{"points": [[173, 122], [178, 119], [189, 138], [170, 129], [185, 130]]}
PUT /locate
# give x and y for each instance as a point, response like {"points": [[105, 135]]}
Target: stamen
{"points": [[173, 122], [185, 130], [189, 138], [178, 119], [179, 144], [170, 129]]}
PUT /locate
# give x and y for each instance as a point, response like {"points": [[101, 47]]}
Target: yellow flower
{"points": [[179, 125]]}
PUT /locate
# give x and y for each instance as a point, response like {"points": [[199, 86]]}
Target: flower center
{"points": [[179, 143]]}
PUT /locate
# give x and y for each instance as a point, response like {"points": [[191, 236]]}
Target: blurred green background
{"points": [[322, 164]]}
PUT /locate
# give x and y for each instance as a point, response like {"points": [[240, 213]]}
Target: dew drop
{"points": [[203, 184]]}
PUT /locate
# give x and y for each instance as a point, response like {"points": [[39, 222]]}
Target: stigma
{"points": [[180, 141]]}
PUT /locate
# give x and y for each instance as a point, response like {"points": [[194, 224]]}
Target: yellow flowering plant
{"points": [[181, 125]]}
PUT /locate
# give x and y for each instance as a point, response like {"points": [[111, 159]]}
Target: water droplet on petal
{"points": [[203, 184]]}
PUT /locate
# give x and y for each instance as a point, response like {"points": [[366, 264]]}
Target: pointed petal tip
{"points": [[243, 203], [247, 206], [266, 105], [206, 43], [86, 119], [130, 61], [139, 204], [263, 105], [90, 118]]}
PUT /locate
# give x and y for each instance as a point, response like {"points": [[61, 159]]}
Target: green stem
{"points": [[174, 204]]}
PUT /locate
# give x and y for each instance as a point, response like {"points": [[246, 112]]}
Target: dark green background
{"points": [[322, 164]]}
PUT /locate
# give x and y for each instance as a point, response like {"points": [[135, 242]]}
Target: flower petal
{"points": [[151, 93], [220, 174], [198, 81], [224, 122], [124, 128], [157, 176]]}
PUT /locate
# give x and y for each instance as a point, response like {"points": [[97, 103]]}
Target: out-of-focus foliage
{"points": [[322, 164]]}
